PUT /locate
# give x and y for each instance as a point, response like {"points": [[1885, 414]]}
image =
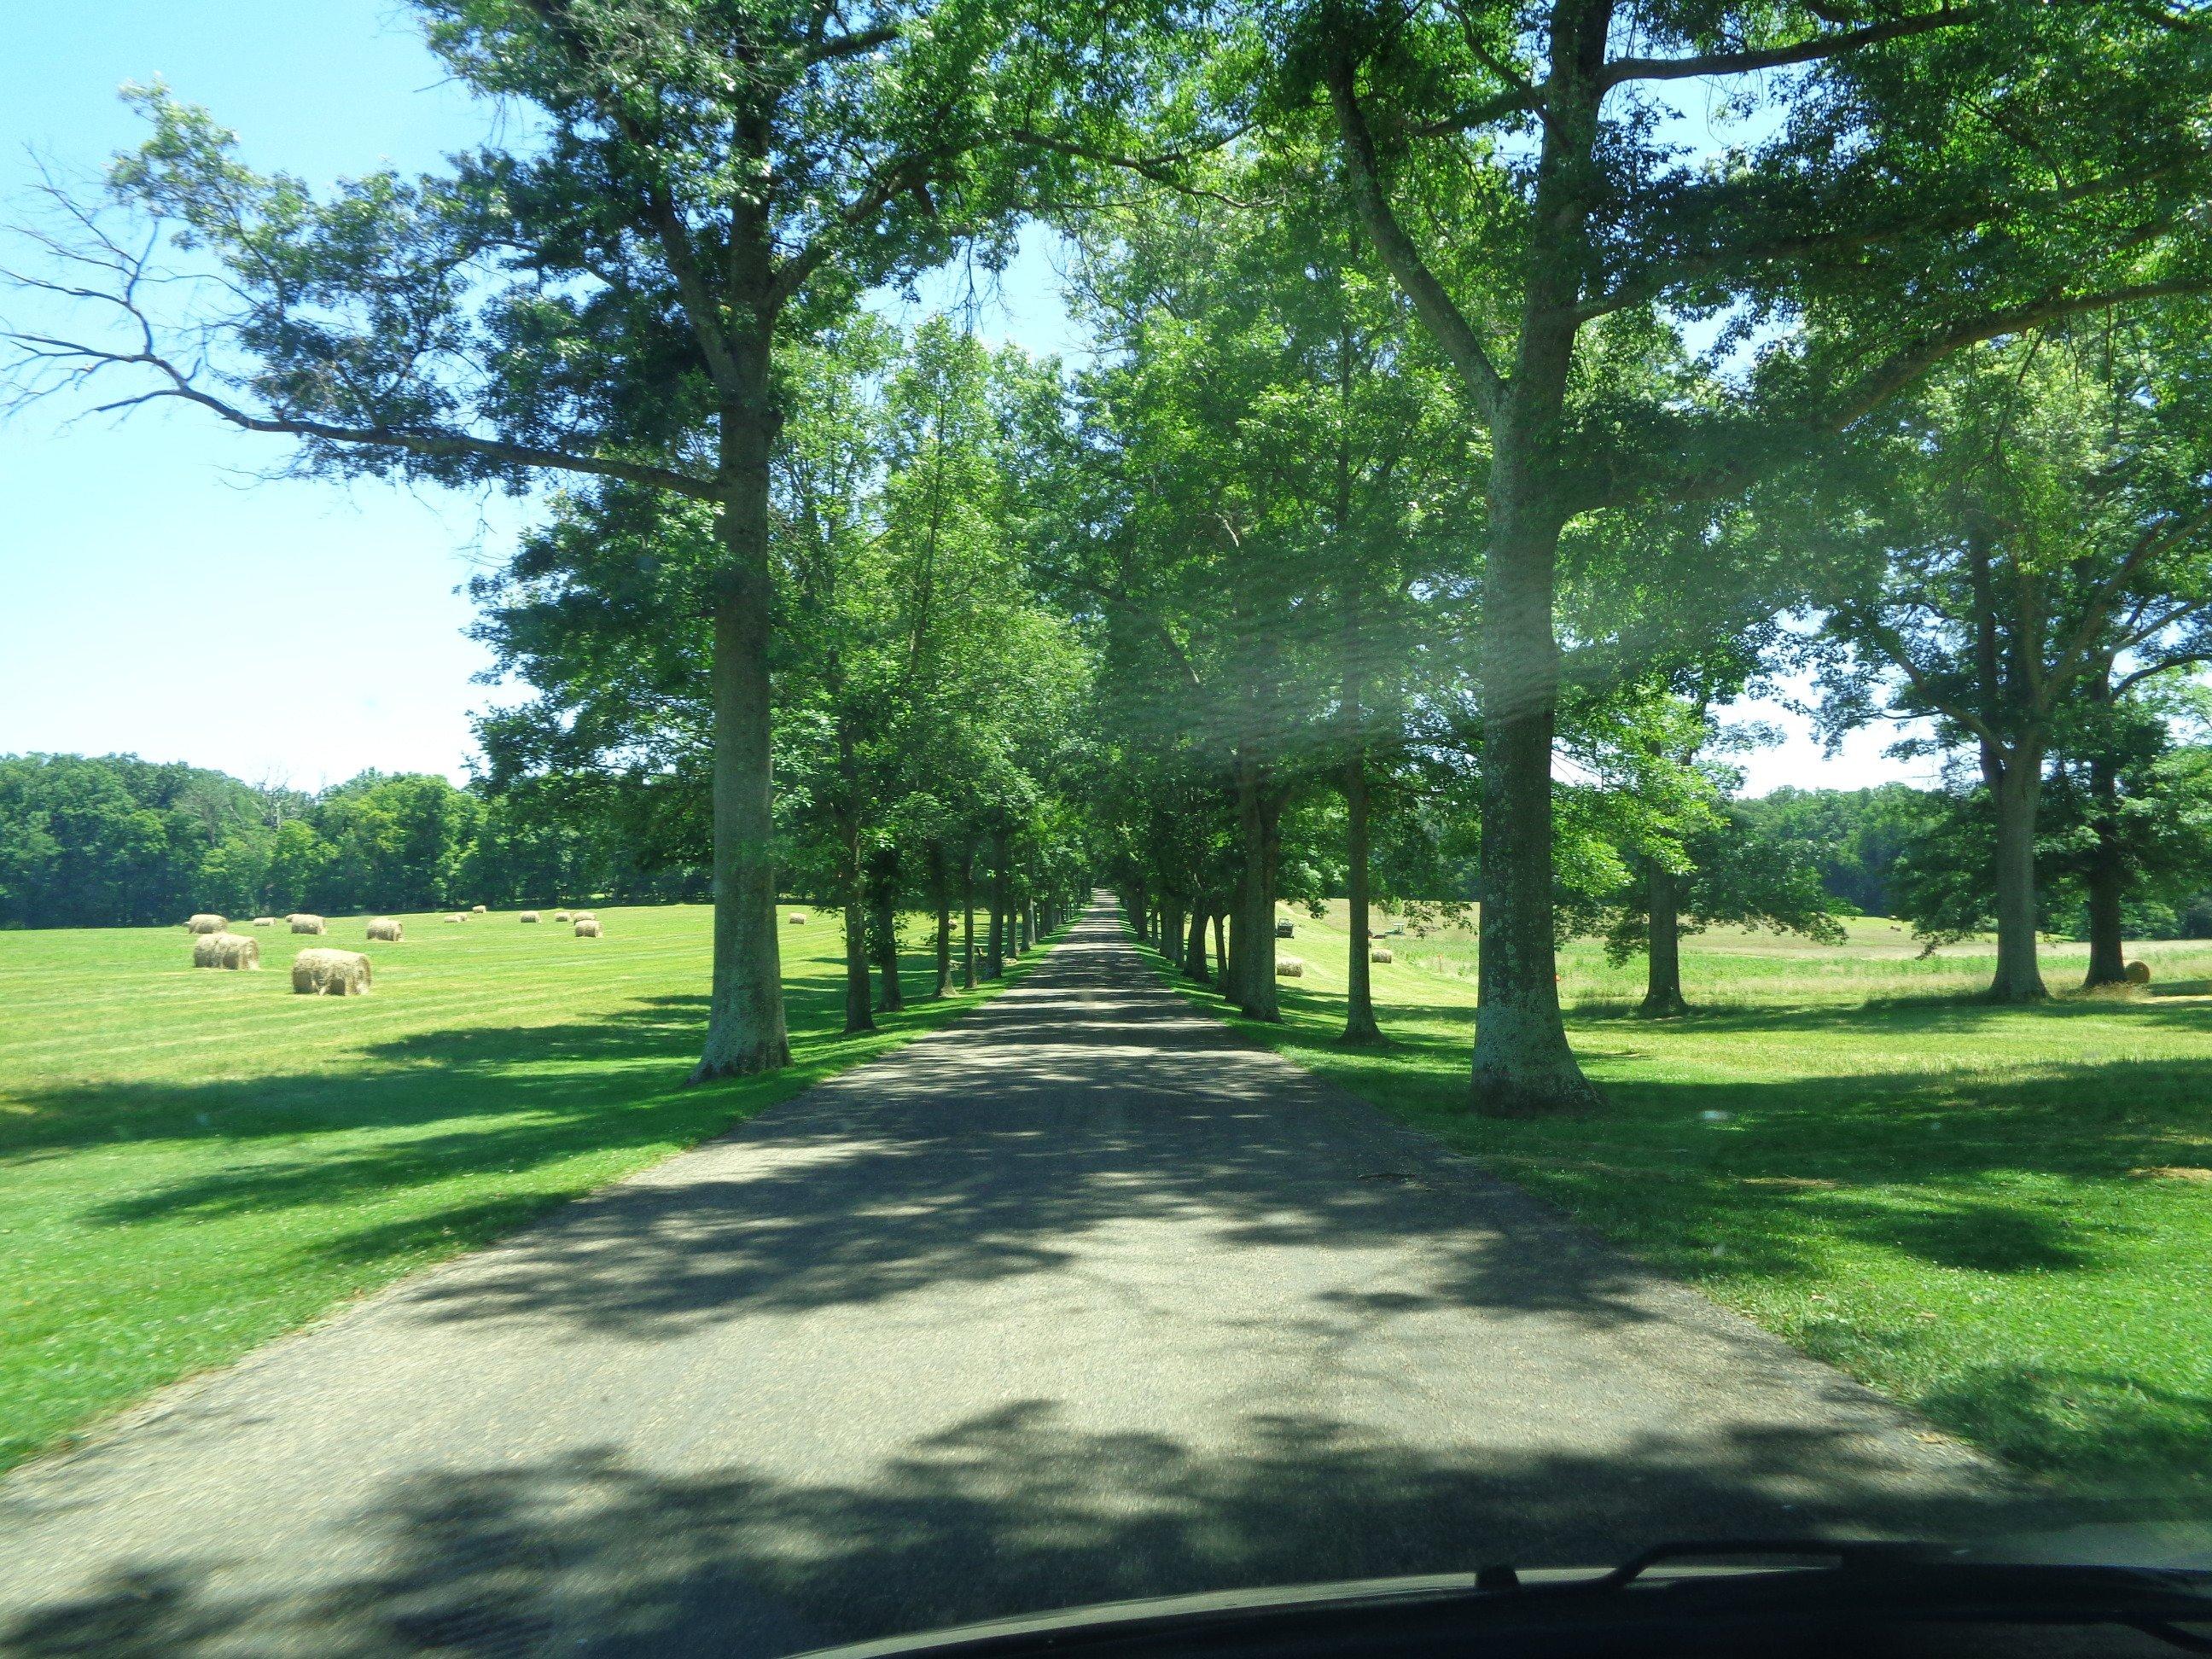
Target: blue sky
{"points": [[162, 596]]}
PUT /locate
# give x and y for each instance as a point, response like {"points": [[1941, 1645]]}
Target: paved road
{"points": [[1077, 1299]]}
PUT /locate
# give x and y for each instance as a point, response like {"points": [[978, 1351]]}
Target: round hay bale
{"points": [[798, 921], [478, 910], [1381, 953], [527, 916], [1290, 968], [457, 916], [206, 921], [386, 928], [2138, 972], [583, 916], [226, 951], [307, 924], [265, 921], [588, 927], [561, 915], [330, 973]]}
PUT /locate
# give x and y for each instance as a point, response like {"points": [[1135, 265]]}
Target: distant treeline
{"points": [[1918, 854], [114, 841], [1853, 836]]}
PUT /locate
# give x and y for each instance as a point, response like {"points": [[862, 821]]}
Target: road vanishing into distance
{"points": [[1078, 1298]]}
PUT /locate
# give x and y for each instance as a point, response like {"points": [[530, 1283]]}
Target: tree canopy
{"points": [[1474, 401]]}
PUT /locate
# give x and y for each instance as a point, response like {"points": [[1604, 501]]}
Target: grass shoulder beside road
{"points": [[192, 1161], [2001, 1216]]}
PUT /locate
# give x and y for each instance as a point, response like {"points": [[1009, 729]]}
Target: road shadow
{"points": [[1070, 1107], [1011, 1511]]}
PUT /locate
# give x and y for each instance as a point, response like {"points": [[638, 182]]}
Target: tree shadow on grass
{"points": [[1923, 1014], [462, 1107], [1918, 1162], [2064, 1418], [1013, 1509], [974, 1162], [1978, 1172]]}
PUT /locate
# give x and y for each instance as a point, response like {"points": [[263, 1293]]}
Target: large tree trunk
{"points": [[746, 1030], [2017, 792], [940, 890], [887, 958], [1662, 972], [1221, 969], [1193, 954], [2108, 877], [967, 919], [1359, 1025], [884, 890], [1522, 1065], [859, 1003], [1258, 817], [994, 951], [1170, 928]]}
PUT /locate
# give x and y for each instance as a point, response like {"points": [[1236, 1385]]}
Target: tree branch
{"points": [[1453, 333], [1654, 279], [1810, 50], [1158, 168], [826, 47], [1901, 369], [1893, 646], [440, 444], [662, 220], [1478, 115]]}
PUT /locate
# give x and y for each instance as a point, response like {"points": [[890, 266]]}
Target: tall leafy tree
{"points": [[1690, 857], [2134, 810], [1258, 459], [701, 180], [1933, 175], [2031, 529]]}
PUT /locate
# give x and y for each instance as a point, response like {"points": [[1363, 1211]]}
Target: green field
{"points": [[2001, 1216], [194, 1160]]}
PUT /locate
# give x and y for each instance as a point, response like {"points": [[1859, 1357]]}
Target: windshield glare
{"points": [[821, 821]]}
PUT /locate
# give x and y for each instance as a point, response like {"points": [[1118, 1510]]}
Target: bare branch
{"points": [[87, 362]]}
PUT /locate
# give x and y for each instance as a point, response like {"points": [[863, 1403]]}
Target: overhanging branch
{"points": [[85, 361], [1808, 51], [1453, 333]]}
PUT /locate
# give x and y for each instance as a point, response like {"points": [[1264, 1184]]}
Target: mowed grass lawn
{"points": [[2002, 1217], [194, 1160]]}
